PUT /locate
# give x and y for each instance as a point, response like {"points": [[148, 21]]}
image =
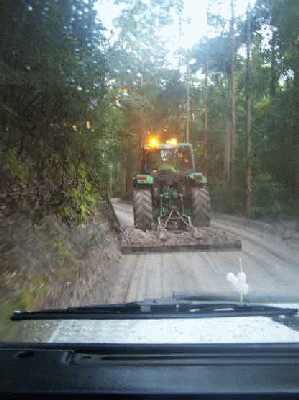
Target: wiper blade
{"points": [[74, 311], [144, 310]]}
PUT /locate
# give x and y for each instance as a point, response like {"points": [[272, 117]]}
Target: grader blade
{"points": [[201, 239]]}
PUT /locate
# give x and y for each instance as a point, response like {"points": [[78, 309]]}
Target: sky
{"points": [[194, 26]]}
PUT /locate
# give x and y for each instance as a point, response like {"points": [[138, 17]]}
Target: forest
{"points": [[76, 102]]}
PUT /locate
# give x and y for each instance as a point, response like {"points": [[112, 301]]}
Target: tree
{"points": [[52, 82], [248, 116], [139, 71], [230, 142]]}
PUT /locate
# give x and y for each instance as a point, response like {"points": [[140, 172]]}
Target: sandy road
{"points": [[272, 267]]}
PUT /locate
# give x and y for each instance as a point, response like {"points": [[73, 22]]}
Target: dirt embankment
{"points": [[50, 264]]}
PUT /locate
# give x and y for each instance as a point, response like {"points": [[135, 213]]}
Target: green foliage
{"points": [[80, 200], [139, 54], [274, 94], [215, 52], [269, 197], [62, 251], [52, 95], [15, 167]]}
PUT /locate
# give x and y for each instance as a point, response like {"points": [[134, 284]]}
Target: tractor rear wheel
{"points": [[201, 207], [142, 208]]}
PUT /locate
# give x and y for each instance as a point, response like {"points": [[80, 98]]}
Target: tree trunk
{"points": [[188, 105], [233, 90], [230, 145], [296, 144], [273, 66], [206, 134], [227, 153], [248, 117], [273, 42]]}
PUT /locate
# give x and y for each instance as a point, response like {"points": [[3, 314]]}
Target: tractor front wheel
{"points": [[201, 207], [142, 209]]}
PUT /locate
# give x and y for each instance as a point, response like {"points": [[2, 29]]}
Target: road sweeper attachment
{"points": [[171, 204]]}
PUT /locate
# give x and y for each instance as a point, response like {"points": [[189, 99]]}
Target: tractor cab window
{"points": [[152, 160], [184, 159], [167, 155], [167, 159]]}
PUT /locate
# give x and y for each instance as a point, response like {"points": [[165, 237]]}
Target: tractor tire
{"points": [[142, 209], [201, 207]]}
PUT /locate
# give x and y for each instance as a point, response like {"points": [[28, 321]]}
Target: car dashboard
{"points": [[149, 371]]}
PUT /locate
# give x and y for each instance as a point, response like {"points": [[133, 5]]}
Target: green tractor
{"points": [[169, 192]]}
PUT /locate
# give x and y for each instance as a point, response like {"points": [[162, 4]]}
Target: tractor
{"points": [[169, 193]]}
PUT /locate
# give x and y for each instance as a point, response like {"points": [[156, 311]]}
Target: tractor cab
{"points": [[168, 158]]}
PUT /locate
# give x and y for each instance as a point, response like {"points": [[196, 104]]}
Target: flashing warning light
{"points": [[153, 141], [172, 141]]}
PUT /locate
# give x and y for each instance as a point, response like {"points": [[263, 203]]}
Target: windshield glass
{"points": [[97, 97], [167, 159]]}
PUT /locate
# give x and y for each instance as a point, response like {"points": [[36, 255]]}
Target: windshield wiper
{"points": [[151, 310]]}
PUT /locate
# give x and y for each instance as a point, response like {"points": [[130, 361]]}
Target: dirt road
{"points": [[271, 265]]}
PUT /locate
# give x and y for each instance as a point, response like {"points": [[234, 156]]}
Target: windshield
{"points": [[99, 96], [167, 159]]}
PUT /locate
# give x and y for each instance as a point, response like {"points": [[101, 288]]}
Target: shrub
{"points": [[80, 200], [225, 199], [14, 166], [269, 198]]}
